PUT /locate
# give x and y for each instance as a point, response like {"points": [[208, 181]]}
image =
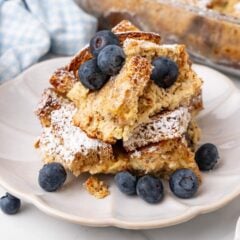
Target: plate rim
{"points": [[191, 212], [237, 230]]}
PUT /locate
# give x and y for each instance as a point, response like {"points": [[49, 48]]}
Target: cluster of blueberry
{"points": [[108, 59], [183, 182]]}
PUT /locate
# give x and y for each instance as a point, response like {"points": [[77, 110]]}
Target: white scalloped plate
{"points": [[20, 163], [237, 231]]}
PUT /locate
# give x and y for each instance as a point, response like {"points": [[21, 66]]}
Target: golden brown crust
{"points": [[125, 26], [81, 57], [145, 36], [62, 80], [85, 54], [49, 102], [196, 104]]}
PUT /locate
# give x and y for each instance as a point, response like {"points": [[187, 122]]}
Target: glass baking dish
{"points": [[211, 38]]}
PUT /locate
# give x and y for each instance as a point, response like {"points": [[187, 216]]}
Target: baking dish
{"points": [[211, 37]]}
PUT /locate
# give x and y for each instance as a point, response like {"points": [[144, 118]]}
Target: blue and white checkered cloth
{"points": [[31, 28]]}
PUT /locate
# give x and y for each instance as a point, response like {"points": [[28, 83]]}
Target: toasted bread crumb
{"points": [[96, 187], [37, 143]]}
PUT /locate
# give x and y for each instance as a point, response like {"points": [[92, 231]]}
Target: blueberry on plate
{"points": [[184, 183], [111, 59], [165, 72], [150, 189], [52, 176], [10, 204], [101, 40], [207, 156], [126, 182], [91, 76]]}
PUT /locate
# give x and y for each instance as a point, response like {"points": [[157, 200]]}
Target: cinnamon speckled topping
{"points": [[63, 80], [48, 102], [96, 187]]}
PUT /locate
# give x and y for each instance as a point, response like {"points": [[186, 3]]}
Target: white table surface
{"points": [[31, 224]]}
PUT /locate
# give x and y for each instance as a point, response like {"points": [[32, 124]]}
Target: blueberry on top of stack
{"points": [[108, 60]]}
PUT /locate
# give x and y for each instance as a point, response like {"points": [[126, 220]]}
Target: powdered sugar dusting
{"points": [[62, 73], [136, 154], [128, 43], [169, 46], [237, 7], [64, 139], [198, 3], [172, 124], [152, 149], [203, 3]]}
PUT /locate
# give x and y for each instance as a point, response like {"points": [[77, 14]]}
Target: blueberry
{"points": [[184, 183], [150, 189], [101, 40], [111, 59], [10, 204], [165, 72], [91, 76], [126, 182], [52, 176], [207, 156]]}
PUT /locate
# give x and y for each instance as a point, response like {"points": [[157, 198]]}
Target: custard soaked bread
{"points": [[160, 159], [129, 121], [65, 143], [131, 97]]}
